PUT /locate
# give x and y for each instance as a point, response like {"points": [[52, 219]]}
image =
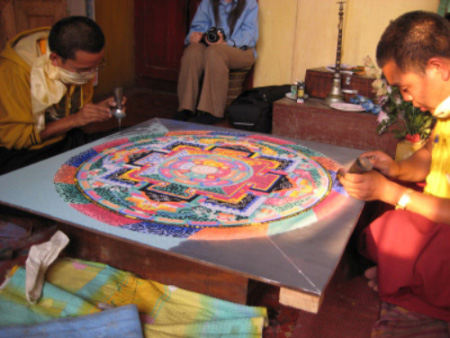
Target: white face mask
{"points": [[69, 77]]}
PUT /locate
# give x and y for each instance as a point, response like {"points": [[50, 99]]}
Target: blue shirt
{"points": [[246, 29]]}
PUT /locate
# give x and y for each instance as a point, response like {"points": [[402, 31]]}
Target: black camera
{"points": [[212, 35]]}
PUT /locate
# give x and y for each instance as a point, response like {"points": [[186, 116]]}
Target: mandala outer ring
{"points": [[212, 226]]}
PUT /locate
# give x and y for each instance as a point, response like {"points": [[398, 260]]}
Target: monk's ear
{"points": [[54, 58], [439, 66]]}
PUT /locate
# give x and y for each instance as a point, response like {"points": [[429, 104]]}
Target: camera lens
{"points": [[212, 35]]}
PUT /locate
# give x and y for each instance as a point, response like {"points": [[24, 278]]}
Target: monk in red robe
{"points": [[411, 244]]}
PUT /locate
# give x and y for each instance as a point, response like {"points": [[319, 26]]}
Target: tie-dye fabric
{"points": [[75, 288]]}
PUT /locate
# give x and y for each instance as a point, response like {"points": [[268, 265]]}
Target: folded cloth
{"points": [[39, 259], [74, 288], [397, 322], [118, 322]]}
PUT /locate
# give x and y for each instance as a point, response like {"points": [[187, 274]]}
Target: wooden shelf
{"points": [[315, 121]]}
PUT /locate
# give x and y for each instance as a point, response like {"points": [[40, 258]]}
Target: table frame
{"points": [[210, 275]]}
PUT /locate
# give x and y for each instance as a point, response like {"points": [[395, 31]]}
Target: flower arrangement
{"points": [[412, 123]]}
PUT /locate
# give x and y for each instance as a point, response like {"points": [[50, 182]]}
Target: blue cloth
{"points": [[246, 29], [366, 103], [118, 322]]}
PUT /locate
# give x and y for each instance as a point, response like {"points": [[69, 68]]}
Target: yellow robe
{"points": [[18, 125], [438, 180]]}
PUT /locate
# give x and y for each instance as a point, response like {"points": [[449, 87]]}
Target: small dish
{"points": [[291, 96], [347, 107]]}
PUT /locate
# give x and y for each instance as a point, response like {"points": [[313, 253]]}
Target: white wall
{"points": [[296, 35]]}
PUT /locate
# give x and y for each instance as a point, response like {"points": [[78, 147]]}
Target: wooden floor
{"points": [[349, 309]]}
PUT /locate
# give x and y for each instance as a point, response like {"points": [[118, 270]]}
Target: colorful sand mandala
{"points": [[202, 184]]}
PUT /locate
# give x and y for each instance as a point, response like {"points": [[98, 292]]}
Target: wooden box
{"points": [[318, 82], [316, 121]]}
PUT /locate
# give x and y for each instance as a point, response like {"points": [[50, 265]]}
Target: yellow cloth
{"points": [[75, 288], [20, 124], [45, 89]]}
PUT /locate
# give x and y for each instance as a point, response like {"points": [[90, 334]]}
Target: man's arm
{"points": [[412, 169], [246, 32], [88, 114], [201, 21], [416, 167], [377, 185], [17, 124]]}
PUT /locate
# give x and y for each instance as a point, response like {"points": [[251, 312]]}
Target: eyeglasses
{"points": [[88, 71]]}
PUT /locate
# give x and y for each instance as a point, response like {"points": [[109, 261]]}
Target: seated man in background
{"points": [[46, 88], [233, 49], [410, 245]]}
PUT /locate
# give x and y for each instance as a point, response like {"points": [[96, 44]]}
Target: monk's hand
{"points": [[92, 112], [369, 186], [111, 103], [381, 161]]}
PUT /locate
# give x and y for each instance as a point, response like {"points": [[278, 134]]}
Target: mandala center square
{"points": [[205, 170]]}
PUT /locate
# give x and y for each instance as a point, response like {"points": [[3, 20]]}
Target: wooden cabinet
{"points": [[316, 121], [19, 15], [160, 29]]}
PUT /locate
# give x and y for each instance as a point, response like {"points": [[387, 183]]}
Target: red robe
{"points": [[413, 258]]}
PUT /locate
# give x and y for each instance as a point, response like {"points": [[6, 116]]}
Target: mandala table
{"points": [[206, 210]]}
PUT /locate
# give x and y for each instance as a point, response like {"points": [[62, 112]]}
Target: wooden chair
{"points": [[236, 78]]}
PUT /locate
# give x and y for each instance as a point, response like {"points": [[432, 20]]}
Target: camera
{"points": [[212, 35]]}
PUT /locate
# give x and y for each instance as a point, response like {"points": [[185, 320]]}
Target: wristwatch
{"points": [[404, 200]]}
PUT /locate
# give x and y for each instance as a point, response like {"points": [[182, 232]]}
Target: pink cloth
{"points": [[413, 258]]}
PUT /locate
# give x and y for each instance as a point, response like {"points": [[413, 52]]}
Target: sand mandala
{"points": [[202, 184]]}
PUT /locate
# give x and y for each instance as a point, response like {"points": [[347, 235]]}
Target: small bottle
{"points": [[300, 92], [294, 90]]}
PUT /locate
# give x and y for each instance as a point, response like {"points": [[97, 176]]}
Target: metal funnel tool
{"points": [[118, 96], [117, 111], [361, 165]]}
